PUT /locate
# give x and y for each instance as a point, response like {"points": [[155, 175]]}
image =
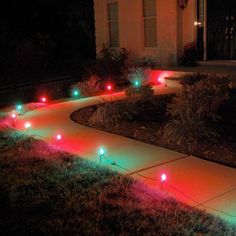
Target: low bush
{"points": [[189, 57], [106, 115], [111, 65], [191, 79], [144, 92], [191, 110], [89, 86]]}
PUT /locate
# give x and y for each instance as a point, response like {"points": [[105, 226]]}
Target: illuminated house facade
{"points": [[161, 28]]}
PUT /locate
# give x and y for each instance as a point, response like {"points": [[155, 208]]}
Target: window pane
{"points": [[114, 34], [150, 32], [113, 11], [149, 8]]}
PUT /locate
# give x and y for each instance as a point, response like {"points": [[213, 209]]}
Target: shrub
{"points": [[140, 74], [189, 57], [144, 62], [105, 115], [191, 79], [90, 86], [144, 92], [191, 109], [111, 64]]}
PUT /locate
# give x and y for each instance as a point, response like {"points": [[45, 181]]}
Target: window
{"points": [[150, 23], [113, 24]]}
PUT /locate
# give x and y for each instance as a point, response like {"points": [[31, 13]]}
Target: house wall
{"points": [[174, 28]]}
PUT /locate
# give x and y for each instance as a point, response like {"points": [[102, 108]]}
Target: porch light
{"points": [[183, 4]]}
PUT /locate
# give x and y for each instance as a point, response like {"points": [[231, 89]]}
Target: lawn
{"points": [[45, 191]]}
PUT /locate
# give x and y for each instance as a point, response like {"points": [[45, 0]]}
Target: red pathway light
{"points": [[58, 137], [13, 115], [163, 178], [109, 87], [43, 99]]}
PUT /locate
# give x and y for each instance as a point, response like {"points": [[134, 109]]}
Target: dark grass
{"points": [[150, 117], [47, 192]]}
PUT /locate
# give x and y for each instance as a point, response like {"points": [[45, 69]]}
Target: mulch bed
{"points": [[223, 152]]}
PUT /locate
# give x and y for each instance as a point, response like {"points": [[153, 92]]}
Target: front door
{"points": [[221, 29]]}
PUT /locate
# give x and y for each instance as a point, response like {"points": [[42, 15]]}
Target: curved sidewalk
{"points": [[194, 181]]}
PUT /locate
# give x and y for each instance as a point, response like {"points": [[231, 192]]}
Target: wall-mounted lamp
{"points": [[183, 4]]}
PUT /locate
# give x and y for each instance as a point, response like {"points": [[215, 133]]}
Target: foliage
{"points": [[140, 74], [191, 79], [192, 108], [111, 64], [144, 62], [189, 57], [106, 115], [144, 92], [48, 192], [89, 86]]}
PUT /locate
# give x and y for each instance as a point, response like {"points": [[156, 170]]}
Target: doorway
{"points": [[221, 29]]}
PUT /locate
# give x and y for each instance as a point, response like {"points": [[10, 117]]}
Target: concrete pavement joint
{"points": [[218, 196], [159, 164]]}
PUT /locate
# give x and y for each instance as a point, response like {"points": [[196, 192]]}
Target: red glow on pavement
{"points": [[163, 177], [158, 76]]}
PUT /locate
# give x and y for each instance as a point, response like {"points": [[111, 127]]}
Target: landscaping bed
{"points": [[44, 191], [150, 117]]}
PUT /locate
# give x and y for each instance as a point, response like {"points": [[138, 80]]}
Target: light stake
{"points": [[109, 87], [43, 99], [76, 93], [137, 83], [19, 108], [27, 126], [58, 138], [101, 153], [163, 178], [13, 117]]}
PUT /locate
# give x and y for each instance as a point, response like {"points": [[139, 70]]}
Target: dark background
{"points": [[41, 39]]}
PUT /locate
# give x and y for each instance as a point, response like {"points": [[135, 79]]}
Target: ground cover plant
{"points": [[44, 191], [199, 121]]}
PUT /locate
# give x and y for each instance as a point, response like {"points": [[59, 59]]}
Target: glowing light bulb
{"points": [[19, 107], [137, 83], [101, 151], [160, 80], [109, 87], [163, 177], [13, 115], [27, 125], [58, 137], [43, 99], [76, 93]]}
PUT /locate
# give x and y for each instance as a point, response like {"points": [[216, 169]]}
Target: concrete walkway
{"points": [[194, 181]]}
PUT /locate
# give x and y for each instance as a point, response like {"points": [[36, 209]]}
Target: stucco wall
{"points": [[174, 28]]}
